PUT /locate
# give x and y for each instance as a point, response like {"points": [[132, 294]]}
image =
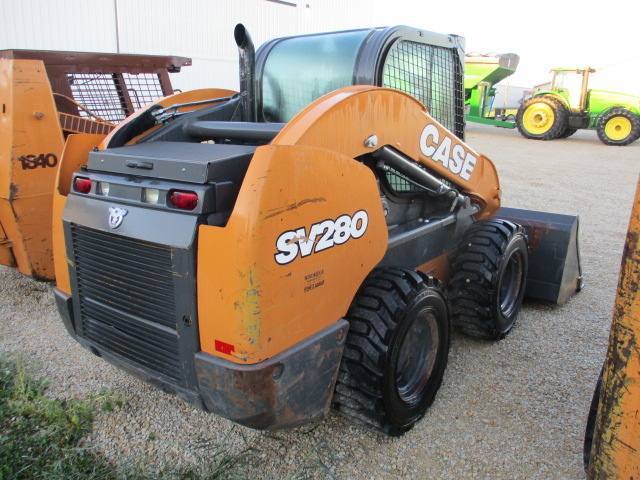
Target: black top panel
{"points": [[178, 161]]}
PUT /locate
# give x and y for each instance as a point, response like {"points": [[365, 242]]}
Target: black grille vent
{"points": [[127, 301]]}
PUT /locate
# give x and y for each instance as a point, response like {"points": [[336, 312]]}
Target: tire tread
{"points": [[372, 316], [473, 281]]}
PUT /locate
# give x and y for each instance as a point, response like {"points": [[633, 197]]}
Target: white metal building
{"points": [[198, 29]]}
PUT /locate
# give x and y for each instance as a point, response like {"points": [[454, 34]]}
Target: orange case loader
{"points": [[45, 96], [305, 242]]}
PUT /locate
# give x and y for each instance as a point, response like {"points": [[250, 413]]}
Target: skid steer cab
{"points": [[305, 242]]}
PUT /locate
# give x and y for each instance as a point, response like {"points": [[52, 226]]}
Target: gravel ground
{"points": [[513, 409]]}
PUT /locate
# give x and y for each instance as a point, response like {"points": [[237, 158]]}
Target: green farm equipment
{"points": [[570, 105], [482, 72]]}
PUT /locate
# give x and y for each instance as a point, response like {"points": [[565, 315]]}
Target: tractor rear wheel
{"points": [[542, 118], [568, 132], [488, 279], [618, 126], [396, 350]]}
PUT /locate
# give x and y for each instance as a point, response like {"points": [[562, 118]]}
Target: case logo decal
{"points": [[321, 236], [116, 215], [451, 154]]}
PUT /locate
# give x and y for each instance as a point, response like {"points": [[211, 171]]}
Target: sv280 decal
{"points": [[321, 236]]}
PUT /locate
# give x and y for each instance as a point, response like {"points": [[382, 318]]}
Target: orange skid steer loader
{"points": [[44, 97], [305, 242]]}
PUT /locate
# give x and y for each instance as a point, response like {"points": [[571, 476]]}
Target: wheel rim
{"points": [[618, 128], [511, 285], [538, 118], [417, 357]]}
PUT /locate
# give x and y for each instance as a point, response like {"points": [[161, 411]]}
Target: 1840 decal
{"points": [[44, 160]]}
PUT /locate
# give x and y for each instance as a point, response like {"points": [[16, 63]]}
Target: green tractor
{"points": [[570, 105]]}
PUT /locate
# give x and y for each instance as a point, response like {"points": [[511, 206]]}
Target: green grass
{"points": [[218, 460], [42, 437]]}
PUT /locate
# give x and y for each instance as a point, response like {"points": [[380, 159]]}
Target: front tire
{"points": [[396, 351], [542, 118], [619, 127], [488, 280]]}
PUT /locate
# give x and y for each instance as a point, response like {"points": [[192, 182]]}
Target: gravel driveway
{"points": [[514, 409]]}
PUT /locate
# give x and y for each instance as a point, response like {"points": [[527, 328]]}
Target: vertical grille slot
{"points": [[127, 300]]}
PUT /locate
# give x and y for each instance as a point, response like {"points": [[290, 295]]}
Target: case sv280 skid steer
{"points": [[288, 247]]}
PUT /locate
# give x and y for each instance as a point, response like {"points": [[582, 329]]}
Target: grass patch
{"points": [[42, 437], [218, 460]]}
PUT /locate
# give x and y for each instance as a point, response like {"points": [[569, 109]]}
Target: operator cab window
{"points": [[301, 70]]}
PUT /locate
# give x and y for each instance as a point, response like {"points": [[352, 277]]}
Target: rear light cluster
{"points": [[82, 184], [182, 199]]}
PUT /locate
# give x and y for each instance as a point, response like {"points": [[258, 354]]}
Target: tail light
{"points": [[82, 184], [183, 200]]}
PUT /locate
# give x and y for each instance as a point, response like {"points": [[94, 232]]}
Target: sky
{"points": [[565, 33]]}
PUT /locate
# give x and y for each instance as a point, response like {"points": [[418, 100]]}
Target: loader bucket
{"points": [[555, 273]]}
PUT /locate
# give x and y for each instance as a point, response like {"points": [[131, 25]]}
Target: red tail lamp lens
{"points": [[183, 200], [82, 184]]}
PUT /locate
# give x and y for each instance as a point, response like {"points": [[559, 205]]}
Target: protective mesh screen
{"points": [[433, 75], [399, 184], [430, 74], [143, 88], [107, 95]]}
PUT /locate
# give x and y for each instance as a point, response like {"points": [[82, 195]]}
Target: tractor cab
{"points": [[573, 85]]}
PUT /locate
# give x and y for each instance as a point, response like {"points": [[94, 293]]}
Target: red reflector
{"points": [[183, 200], [225, 348], [82, 185]]}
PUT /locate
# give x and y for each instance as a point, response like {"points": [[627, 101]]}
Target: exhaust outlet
{"points": [[247, 54]]}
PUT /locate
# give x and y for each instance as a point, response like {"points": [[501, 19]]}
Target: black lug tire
{"points": [[396, 350], [590, 429], [488, 280], [568, 132], [555, 129], [612, 115]]}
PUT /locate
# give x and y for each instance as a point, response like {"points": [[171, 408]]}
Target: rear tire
{"points": [[542, 118], [590, 429], [567, 132], [488, 279], [396, 351], [618, 126]]}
